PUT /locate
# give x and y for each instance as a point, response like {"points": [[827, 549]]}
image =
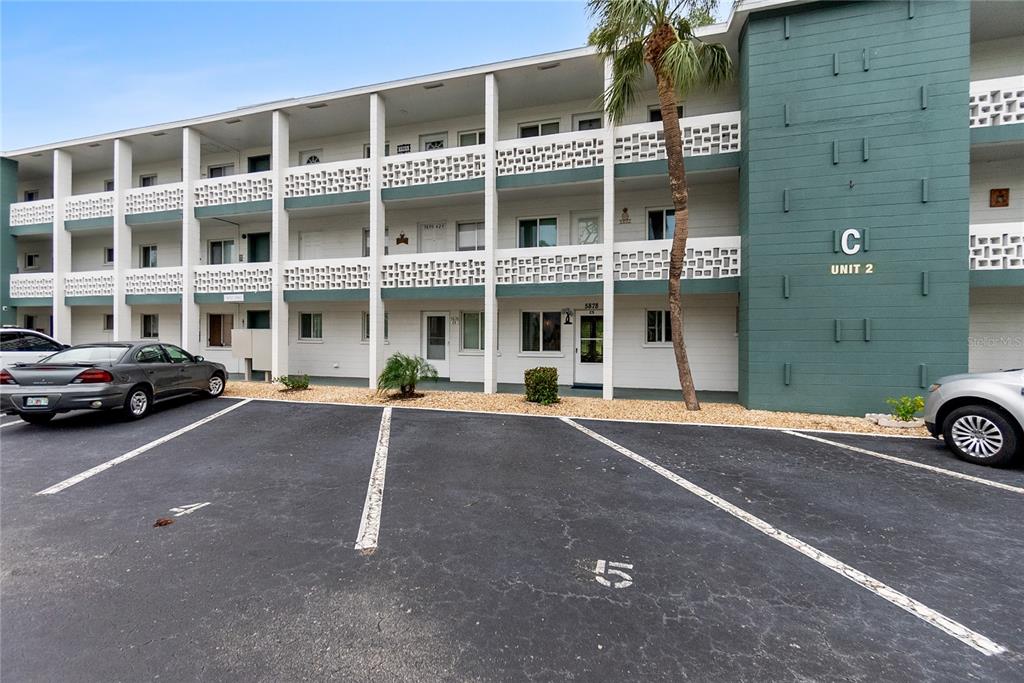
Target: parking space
{"points": [[508, 547]]}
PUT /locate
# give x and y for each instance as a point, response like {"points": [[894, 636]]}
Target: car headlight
{"points": [[933, 387]]}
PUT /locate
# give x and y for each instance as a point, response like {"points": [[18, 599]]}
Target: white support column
{"points": [[490, 236], [279, 246], [190, 151], [122, 239], [377, 227], [608, 244], [61, 244]]}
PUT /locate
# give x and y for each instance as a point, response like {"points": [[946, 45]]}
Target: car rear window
{"points": [[87, 354]]}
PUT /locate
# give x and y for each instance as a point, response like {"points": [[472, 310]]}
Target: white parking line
{"points": [[71, 481], [919, 610], [369, 525], [912, 463], [12, 422]]}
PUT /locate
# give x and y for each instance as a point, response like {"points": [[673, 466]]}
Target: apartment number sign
{"points": [[852, 242]]}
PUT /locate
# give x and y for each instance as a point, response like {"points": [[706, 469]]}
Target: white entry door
{"points": [[589, 365], [433, 237], [435, 341], [311, 244]]}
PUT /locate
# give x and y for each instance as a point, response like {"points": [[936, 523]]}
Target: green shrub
{"points": [[542, 385], [293, 382], [403, 373], [905, 408]]}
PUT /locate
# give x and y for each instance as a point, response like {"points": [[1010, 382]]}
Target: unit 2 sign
{"points": [[852, 243]]}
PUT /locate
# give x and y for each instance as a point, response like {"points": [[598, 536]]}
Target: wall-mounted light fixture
{"points": [[568, 316]]}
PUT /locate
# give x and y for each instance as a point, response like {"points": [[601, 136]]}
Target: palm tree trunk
{"points": [[680, 200]]}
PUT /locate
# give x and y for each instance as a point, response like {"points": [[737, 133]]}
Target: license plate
{"points": [[36, 401]]}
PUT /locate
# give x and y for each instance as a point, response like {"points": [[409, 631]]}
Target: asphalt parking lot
{"points": [[497, 547]]}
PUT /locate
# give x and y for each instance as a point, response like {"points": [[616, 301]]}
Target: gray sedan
{"points": [[128, 375]]}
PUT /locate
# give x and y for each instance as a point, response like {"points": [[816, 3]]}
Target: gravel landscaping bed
{"points": [[619, 409]]}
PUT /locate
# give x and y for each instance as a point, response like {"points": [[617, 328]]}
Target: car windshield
{"points": [[86, 354]]}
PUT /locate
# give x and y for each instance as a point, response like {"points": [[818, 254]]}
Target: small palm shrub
{"points": [[402, 373], [293, 382], [542, 385], [905, 408]]}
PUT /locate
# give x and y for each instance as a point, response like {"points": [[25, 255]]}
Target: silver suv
{"points": [[980, 415]]}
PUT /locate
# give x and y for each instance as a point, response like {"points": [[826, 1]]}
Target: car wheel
{"points": [[981, 435], [36, 418], [216, 386], [137, 403]]}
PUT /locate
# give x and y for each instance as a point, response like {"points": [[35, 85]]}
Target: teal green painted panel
{"points": [[153, 217], [317, 201], [248, 297], [989, 135], [33, 229], [88, 300], [89, 223], [574, 175], [708, 286], [554, 289], [44, 301], [704, 162], [240, 209], [152, 299], [434, 189], [458, 292], [997, 278], [327, 295]]}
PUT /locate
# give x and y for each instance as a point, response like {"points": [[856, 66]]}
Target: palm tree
{"points": [[636, 34]]}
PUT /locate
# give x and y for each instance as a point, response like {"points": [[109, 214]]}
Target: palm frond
{"points": [[716, 64], [619, 22], [681, 65], [627, 75]]}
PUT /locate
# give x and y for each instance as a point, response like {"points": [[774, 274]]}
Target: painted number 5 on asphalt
{"points": [[613, 569]]}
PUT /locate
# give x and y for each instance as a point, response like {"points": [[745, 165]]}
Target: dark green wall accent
{"points": [[89, 223], [995, 134], [8, 245], [704, 162], [89, 300], [433, 189], [249, 298], [317, 201], [32, 229], [997, 278], [907, 143], [457, 292], [326, 295], [143, 299], [44, 301], [240, 209], [168, 216], [554, 289], [573, 175], [709, 286]]}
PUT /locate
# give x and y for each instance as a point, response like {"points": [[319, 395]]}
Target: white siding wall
{"points": [[333, 148], [398, 134], [41, 246], [714, 210], [168, 246], [42, 317], [239, 158], [169, 323], [339, 236], [221, 354], [87, 324], [997, 58], [509, 119], [988, 175], [406, 221], [511, 209], [87, 251], [694, 104], [996, 339]]}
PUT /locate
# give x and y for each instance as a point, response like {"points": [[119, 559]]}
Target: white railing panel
{"points": [[31, 285], [711, 134], [233, 277], [321, 274], [706, 258], [153, 280], [436, 166], [546, 265], [234, 189], [331, 178], [93, 205], [89, 283], [564, 151], [997, 101], [997, 246], [154, 198], [439, 269], [30, 213]]}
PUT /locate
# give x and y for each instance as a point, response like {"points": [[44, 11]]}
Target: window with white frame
{"points": [[532, 130], [30, 195], [150, 325], [366, 242], [365, 334], [31, 261], [311, 327], [433, 141], [661, 224], [147, 256], [218, 329], [221, 251], [366, 149], [108, 322], [654, 112], [220, 170], [468, 138], [148, 180], [588, 121], [659, 327], [108, 185], [108, 255], [541, 331], [310, 156], [472, 331], [538, 232], [469, 236]]}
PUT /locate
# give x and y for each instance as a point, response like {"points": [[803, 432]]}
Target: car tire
{"points": [[36, 418], [138, 403], [216, 385], [981, 435]]}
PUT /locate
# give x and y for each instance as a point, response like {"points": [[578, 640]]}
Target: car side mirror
{"points": [[199, 359]]}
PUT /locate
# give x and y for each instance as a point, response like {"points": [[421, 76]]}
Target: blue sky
{"points": [[82, 68]]}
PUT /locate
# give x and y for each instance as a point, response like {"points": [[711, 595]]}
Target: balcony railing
{"points": [[153, 280], [561, 152], [711, 134], [439, 269], [234, 277], [548, 265], [706, 258], [92, 205], [997, 246], [436, 166], [327, 274], [154, 198], [31, 213], [333, 178], [89, 283], [234, 189], [997, 102], [31, 285]]}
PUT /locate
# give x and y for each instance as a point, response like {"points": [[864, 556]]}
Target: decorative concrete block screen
{"points": [[236, 189], [707, 257], [320, 274], [561, 152], [95, 205], [997, 102], [712, 134], [30, 213], [548, 265], [232, 278], [153, 281], [439, 166], [31, 285], [999, 246], [154, 198], [332, 178], [89, 283], [446, 269]]}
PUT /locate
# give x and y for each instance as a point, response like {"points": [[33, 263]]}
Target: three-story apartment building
{"points": [[856, 219]]}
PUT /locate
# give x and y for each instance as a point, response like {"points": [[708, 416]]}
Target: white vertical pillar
{"points": [[608, 245], [122, 239], [279, 246], [61, 244], [490, 235], [190, 151], [377, 133]]}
